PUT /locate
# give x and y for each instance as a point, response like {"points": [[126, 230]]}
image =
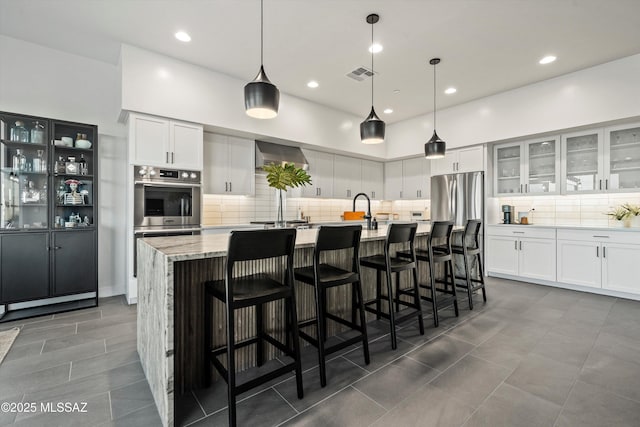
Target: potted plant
{"points": [[634, 213], [284, 176], [621, 213]]}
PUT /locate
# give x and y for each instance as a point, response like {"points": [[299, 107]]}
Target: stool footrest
{"points": [[241, 388], [223, 350]]}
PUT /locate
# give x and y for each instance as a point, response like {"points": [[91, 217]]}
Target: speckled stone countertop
{"points": [[183, 248]]}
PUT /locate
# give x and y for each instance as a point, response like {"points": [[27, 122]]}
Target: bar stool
{"points": [[471, 247], [396, 234], [438, 252], [323, 276], [253, 290]]}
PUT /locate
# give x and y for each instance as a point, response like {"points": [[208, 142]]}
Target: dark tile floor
{"points": [[532, 356]]}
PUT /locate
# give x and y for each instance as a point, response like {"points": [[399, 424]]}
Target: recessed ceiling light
{"points": [[313, 84], [547, 60], [182, 36], [375, 48], [396, 91], [450, 90], [388, 111]]}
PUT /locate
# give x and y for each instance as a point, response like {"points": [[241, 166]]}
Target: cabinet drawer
{"points": [[631, 237], [521, 231]]}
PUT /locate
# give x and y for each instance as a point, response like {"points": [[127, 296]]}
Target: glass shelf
{"points": [[582, 150], [17, 144]]}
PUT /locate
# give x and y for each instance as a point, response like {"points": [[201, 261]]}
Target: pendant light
{"points": [[435, 147], [372, 129], [261, 97]]}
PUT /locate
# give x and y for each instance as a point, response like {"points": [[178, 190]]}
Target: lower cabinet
{"points": [[621, 267], [522, 256], [24, 267], [502, 255], [74, 262]]}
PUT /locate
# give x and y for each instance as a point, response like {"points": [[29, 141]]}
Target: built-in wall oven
{"points": [[167, 202]]}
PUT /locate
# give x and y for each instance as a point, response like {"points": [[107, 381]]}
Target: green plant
{"points": [[287, 175], [634, 210], [619, 213]]}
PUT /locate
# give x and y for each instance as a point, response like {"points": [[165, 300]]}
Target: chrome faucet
{"points": [[368, 215]]}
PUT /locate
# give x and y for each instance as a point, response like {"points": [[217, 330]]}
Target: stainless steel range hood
{"points": [[268, 152]]}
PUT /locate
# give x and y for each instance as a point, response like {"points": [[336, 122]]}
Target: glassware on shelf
{"points": [[19, 133], [37, 133], [83, 168], [19, 161]]}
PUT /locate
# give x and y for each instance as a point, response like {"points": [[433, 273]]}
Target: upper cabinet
{"points": [[459, 161], [347, 176], [583, 162], [407, 179], [622, 158], [157, 141], [372, 179], [321, 172], [229, 165], [529, 167]]}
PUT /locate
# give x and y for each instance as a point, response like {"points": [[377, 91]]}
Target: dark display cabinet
{"points": [[48, 216]]}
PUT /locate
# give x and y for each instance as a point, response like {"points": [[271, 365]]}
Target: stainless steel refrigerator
{"points": [[459, 197]]}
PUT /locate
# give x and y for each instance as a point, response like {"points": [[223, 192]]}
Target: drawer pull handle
{"points": [[597, 251], [518, 232], [604, 237]]}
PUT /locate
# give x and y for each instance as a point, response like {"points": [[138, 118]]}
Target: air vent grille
{"points": [[361, 73]]}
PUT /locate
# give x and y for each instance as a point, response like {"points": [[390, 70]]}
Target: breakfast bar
{"points": [[171, 274]]}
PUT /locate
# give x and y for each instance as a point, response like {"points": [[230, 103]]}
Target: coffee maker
{"points": [[508, 213]]}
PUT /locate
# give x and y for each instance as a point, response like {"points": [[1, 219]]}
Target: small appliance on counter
{"points": [[508, 213]]}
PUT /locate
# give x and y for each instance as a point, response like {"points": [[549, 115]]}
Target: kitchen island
{"points": [[171, 273]]}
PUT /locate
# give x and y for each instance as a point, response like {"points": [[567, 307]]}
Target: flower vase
{"points": [[635, 221], [280, 201], [627, 222]]}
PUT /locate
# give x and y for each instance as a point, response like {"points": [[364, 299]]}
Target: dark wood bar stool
{"points": [[253, 290], [323, 276], [470, 247], [438, 251], [396, 234]]}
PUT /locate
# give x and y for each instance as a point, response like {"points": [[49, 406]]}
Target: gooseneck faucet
{"points": [[368, 215]]}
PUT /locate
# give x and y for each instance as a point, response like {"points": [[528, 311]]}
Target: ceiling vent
{"points": [[361, 74]]}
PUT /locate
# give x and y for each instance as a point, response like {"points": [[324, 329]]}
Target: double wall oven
{"points": [[167, 202]]}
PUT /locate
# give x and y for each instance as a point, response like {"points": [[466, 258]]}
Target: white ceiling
{"points": [[486, 46]]}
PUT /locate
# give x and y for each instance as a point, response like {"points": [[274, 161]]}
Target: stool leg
{"points": [[354, 304], [484, 292], [434, 298], [378, 292], [260, 333], [231, 365], [207, 340], [363, 322], [324, 311], [392, 320], [467, 275], [291, 302], [453, 287], [397, 298], [416, 298], [320, 323]]}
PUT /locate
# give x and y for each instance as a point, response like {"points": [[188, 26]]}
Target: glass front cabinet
{"points": [[583, 165], [622, 158], [47, 187]]}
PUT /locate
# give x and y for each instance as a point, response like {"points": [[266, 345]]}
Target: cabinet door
{"points": [[242, 161], [393, 180], [415, 178], [149, 141], [74, 262], [507, 171], [323, 174], [470, 159], [24, 267], [373, 179], [622, 158], [216, 159], [446, 164], [542, 166], [537, 258], [579, 263], [186, 145], [347, 176], [502, 255], [620, 267], [582, 165]]}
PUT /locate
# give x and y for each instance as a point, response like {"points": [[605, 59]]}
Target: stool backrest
{"points": [[332, 238], [471, 232], [441, 230], [249, 245], [401, 232]]}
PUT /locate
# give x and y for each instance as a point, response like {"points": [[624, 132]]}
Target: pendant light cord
{"points": [[372, 73], [261, 32], [434, 97]]}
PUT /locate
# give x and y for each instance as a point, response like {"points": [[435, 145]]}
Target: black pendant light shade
{"points": [[372, 128], [261, 97], [435, 148]]}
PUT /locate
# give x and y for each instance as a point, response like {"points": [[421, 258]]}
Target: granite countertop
{"points": [[570, 227], [183, 248]]}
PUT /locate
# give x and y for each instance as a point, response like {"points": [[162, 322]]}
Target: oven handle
{"points": [[148, 233], [167, 184]]}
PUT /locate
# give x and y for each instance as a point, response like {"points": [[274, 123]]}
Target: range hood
{"points": [[268, 152]]}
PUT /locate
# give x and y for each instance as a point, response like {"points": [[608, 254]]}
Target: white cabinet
{"points": [[622, 158], [229, 165], [321, 172], [156, 141], [527, 167], [462, 160], [407, 179], [347, 176], [372, 179], [607, 260], [521, 252], [583, 162]]}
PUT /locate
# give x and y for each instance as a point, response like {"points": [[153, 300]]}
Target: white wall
{"points": [[164, 86], [598, 94], [45, 82]]}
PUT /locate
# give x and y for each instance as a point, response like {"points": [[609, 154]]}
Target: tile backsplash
{"points": [[585, 209], [224, 210]]}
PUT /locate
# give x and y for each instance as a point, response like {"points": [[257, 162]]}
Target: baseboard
{"points": [[105, 291]]}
